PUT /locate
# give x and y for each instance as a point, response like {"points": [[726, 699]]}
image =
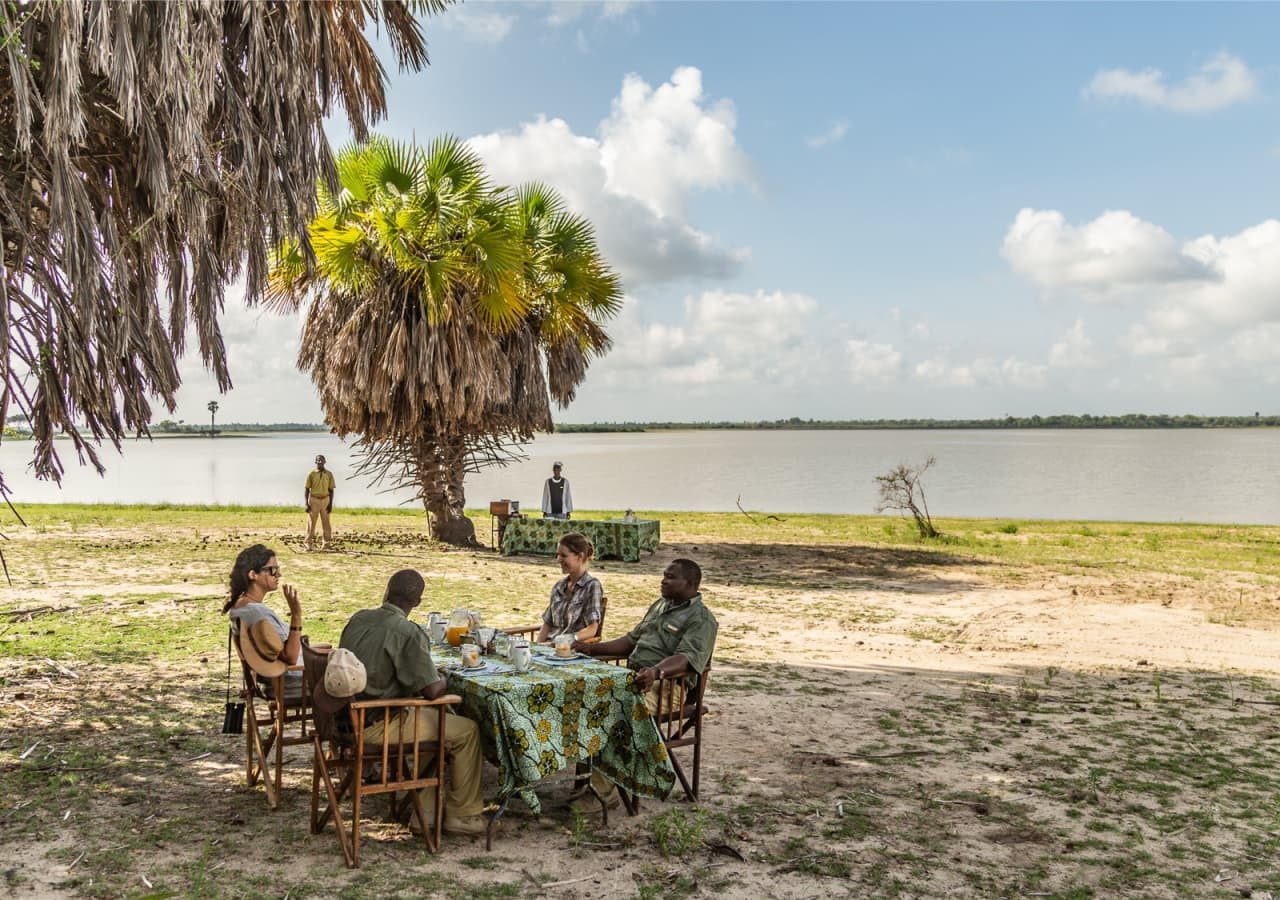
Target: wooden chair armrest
{"points": [[609, 657], [532, 629], [407, 702], [296, 668]]}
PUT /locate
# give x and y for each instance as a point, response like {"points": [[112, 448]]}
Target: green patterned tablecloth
{"points": [[611, 537], [533, 725]]}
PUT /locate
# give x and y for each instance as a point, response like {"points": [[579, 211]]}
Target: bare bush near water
{"points": [[901, 490]]}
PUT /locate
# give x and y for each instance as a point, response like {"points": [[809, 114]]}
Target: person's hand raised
{"points": [[291, 597]]}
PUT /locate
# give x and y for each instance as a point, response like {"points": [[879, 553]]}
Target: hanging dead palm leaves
{"points": [[149, 154]]}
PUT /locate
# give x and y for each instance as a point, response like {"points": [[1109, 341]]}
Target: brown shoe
{"points": [[471, 825], [588, 804]]}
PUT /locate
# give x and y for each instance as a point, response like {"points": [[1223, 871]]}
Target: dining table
{"points": [[560, 712]]}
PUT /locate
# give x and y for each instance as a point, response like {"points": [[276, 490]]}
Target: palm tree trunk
{"points": [[440, 472]]}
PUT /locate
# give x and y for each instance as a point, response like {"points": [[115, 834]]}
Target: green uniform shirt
{"points": [[395, 652], [669, 628], [320, 484]]}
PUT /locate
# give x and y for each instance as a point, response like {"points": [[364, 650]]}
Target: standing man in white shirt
{"points": [[557, 502]]}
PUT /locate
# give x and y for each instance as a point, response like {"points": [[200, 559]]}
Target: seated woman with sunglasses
{"points": [[255, 574]]}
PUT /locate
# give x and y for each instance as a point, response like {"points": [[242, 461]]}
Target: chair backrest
{"points": [[315, 661]]}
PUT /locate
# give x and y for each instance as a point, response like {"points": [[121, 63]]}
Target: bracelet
{"points": [[295, 627]]}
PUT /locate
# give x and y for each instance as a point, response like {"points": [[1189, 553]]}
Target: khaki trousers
{"points": [[604, 785], [462, 797], [318, 507]]}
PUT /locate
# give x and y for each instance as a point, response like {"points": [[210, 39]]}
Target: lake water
{"points": [[1142, 475]]}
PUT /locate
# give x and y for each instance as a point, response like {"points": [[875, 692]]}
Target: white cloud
{"points": [[1223, 81], [832, 135], [1074, 351], [262, 353], [726, 338], [481, 27], [871, 363], [983, 370], [920, 329], [566, 12], [1208, 283], [616, 9], [660, 143], [656, 147], [1114, 253], [1259, 346]]}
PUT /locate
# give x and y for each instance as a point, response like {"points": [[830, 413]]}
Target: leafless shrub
{"points": [[901, 490]]}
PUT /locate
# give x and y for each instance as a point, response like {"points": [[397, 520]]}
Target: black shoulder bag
{"points": [[233, 713]]}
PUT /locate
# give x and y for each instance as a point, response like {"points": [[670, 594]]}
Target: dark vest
{"points": [[557, 496]]}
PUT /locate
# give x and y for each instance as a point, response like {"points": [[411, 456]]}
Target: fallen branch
{"points": [[890, 755], [27, 615], [752, 518], [61, 668], [555, 884]]}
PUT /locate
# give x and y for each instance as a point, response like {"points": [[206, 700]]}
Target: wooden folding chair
{"points": [[531, 631], [270, 719], [679, 719], [348, 767]]}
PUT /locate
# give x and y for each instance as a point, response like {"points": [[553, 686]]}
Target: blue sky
{"points": [[889, 210]]}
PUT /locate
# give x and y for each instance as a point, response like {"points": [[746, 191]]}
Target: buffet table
{"points": [[613, 538]]}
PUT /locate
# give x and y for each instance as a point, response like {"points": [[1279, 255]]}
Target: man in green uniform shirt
{"points": [[674, 640], [397, 657], [318, 498]]}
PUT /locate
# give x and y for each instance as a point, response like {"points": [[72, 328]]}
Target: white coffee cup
{"points": [[521, 657]]}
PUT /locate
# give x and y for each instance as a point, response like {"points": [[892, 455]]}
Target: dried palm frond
{"points": [[150, 153]]}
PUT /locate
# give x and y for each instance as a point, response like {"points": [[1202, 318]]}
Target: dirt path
{"points": [[926, 730]]}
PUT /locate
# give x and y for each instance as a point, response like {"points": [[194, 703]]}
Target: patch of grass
{"points": [[676, 832]]}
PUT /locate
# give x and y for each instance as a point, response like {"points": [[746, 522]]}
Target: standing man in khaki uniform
{"points": [[318, 500], [675, 639]]}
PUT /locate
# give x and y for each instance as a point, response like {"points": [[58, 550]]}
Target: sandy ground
{"points": [[939, 730]]}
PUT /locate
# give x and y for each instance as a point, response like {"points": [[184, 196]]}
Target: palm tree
{"points": [[150, 153], [444, 314], [213, 411]]}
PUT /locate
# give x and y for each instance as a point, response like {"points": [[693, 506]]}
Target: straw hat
{"points": [[261, 647]]}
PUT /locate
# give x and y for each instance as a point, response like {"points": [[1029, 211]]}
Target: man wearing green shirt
{"points": [[674, 640], [318, 499], [397, 657]]}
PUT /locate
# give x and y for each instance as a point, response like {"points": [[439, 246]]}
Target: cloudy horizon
{"points": [[888, 222]]}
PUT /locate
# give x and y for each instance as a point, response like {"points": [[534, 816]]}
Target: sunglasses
{"points": [[273, 571]]}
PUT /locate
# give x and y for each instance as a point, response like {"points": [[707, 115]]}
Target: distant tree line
{"points": [[168, 426], [1129, 420]]}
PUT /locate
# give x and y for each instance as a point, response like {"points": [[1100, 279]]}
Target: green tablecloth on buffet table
{"points": [[534, 724], [612, 537]]}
